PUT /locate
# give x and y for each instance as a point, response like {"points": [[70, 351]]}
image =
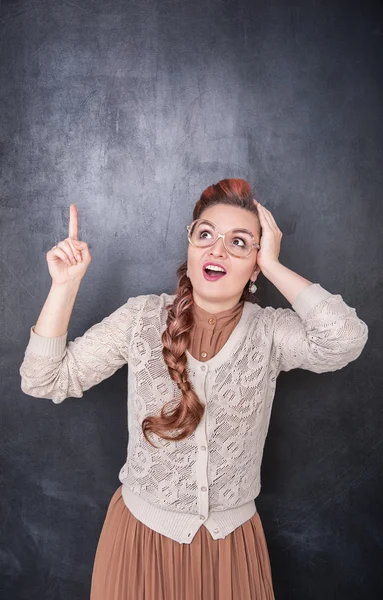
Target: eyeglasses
{"points": [[238, 242]]}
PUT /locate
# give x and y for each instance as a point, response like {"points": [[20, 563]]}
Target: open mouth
{"points": [[212, 275]]}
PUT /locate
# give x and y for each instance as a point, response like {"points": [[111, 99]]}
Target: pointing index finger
{"points": [[73, 222]]}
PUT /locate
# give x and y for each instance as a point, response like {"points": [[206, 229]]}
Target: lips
{"points": [[214, 264], [213, 275]]}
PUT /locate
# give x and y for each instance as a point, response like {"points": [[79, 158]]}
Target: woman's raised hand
{"points": [[271, 237], [69, 260]]}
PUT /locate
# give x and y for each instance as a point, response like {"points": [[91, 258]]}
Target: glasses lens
{"points": [[238, 241], [203, 234]]}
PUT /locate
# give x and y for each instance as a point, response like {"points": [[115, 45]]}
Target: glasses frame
{"points": [[223, 236]]}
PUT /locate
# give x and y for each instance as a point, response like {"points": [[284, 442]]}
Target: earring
{"points": [[252, 287], [187, 273]]}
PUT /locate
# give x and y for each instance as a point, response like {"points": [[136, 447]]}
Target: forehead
{"points": [[228, 217]]}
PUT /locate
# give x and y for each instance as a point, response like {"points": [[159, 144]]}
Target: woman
{"points": [[183, 523]]}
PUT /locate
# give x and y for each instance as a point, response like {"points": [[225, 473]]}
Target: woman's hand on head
{"points": [[69, 260], [271, 236]]}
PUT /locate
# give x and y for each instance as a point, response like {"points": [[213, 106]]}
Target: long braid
{"points": [[176, 338]]}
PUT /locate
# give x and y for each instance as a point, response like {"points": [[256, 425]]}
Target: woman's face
{"points": [[225, 292]]}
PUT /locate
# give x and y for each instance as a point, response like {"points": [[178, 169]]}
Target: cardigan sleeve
{"points": [[322, 333], [55, 369]]}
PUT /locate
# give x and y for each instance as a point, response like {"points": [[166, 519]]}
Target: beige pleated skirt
{"points": [[133, 562]]}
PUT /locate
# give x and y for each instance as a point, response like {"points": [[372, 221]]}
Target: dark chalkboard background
{"points": [[129, 110]]}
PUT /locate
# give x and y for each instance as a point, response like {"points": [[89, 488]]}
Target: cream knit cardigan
{"points": [[212, 477]]}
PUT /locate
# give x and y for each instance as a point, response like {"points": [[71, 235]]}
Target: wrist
{"points": [[69, 285], [65, 290], [270, 267]]}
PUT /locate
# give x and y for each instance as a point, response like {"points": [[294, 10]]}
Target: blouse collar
{"points": [[208, 320]]}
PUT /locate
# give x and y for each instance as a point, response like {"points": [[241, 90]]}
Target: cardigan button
{"points": [[216, 530], [204, 488], [204, 354], [203, 368], [202, 517], [203, 447], [211, 321]]}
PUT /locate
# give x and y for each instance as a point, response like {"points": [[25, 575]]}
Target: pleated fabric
{"points": [[133, 562]]}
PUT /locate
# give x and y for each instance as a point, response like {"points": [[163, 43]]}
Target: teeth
{"points": [[214, 268]]}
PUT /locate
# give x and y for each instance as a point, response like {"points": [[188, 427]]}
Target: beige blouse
{"points": [[211, 331]]}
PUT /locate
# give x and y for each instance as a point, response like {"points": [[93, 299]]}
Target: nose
{"points": [[218, 247]]}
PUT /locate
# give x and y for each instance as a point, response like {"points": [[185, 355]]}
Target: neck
{"points": [[214, 305]]}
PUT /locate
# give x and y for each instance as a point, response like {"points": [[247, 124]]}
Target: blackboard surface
{"points": [[129, 110]]}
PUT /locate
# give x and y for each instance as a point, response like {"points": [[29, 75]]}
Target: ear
{"points": [[256, 271]]}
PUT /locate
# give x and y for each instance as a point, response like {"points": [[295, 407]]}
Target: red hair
{"points": [[176, 337]]}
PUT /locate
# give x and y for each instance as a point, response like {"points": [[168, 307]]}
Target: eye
{"points": [[238, 238], [202, 232]]}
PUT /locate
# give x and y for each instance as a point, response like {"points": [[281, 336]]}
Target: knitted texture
{"points": [[321, 333]]}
